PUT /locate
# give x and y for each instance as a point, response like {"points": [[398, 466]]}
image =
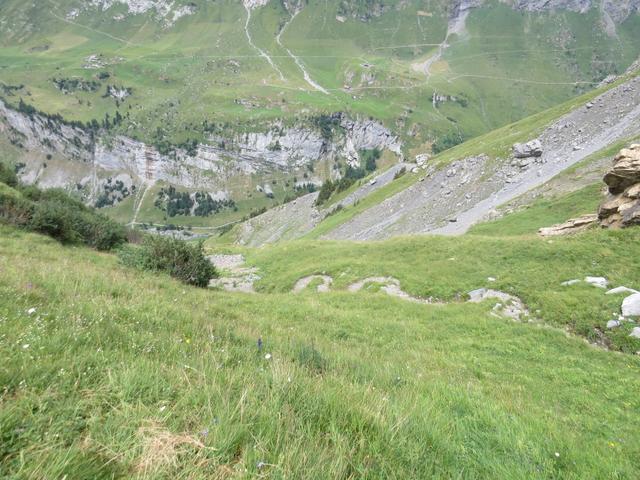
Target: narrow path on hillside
{"points": [[262, 53], [305, 74], [134, 220]]}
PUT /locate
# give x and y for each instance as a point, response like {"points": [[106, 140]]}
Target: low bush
{"points": [[54, 213], [184, 261], [8, 176], [53, 219]]}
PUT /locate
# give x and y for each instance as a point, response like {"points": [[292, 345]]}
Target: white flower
{"points": [[162, 408], [557, 454], [31, 311], [25, 346], [267, 356]]}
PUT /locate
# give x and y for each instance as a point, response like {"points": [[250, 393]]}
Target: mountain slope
{"points": [[451, 192], [115, 374]]}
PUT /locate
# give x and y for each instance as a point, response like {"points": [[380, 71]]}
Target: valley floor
{"points": [[113, 373]]}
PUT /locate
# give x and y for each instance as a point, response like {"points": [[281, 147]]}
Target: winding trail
{"points": [[299, 63], [262, 53]]}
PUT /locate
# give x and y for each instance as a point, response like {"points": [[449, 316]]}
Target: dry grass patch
{"points": [[161, 448]]}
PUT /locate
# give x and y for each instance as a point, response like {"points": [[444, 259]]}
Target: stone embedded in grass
{"points": [[599, 282], [635, 333], [631, 306], [31, 311], [615, 291], [613, 324], [568, 283]]}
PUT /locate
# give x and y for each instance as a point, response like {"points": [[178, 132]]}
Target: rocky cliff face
{"points": [[93, 159], [617, 10], [168, 11], [622, 208]]}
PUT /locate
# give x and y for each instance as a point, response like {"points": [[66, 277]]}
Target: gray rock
{"points": [[631, 306], [615, 291], [529, 149], [613, 324], [599, 282], [635, 333], [568, 283]]}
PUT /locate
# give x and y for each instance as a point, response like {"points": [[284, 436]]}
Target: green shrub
{"points": [[14, 210], [98, 231], [8, 176], [54, 213], [182, 260], [53, 219]]}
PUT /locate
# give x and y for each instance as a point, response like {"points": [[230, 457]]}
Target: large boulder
{"points": [[625, 171], [622, 207], [527, 150]]}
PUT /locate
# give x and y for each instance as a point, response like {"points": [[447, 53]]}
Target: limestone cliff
{"points": [[91, 158]]}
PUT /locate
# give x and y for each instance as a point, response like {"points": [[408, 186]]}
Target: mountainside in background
{"points": [[451, 192], [257, 102]]}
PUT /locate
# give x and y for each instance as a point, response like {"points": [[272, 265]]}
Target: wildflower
{"points": [[267, 356], [260, 465], [557, 455], [31, 311], [204, 432], [25, 346]]}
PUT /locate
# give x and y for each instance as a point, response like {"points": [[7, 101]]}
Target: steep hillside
{"points": [[451, 192], [221, 98], [109, 373]]}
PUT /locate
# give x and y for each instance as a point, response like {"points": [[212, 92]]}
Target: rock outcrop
{"points": [[570, 226], [622, 207]]}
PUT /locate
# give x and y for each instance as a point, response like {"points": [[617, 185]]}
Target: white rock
{"points": [[599, 282], [31, 311], [631, 306], [491, 279], [613, 324], [635, 333], [570, 282], [617, 290], [267, 356]]}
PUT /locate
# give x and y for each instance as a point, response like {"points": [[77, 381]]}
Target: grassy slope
{"points": [[117, 375], [544, 212]]}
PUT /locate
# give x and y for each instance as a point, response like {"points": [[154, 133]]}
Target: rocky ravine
{"points": [[91, 161]]}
